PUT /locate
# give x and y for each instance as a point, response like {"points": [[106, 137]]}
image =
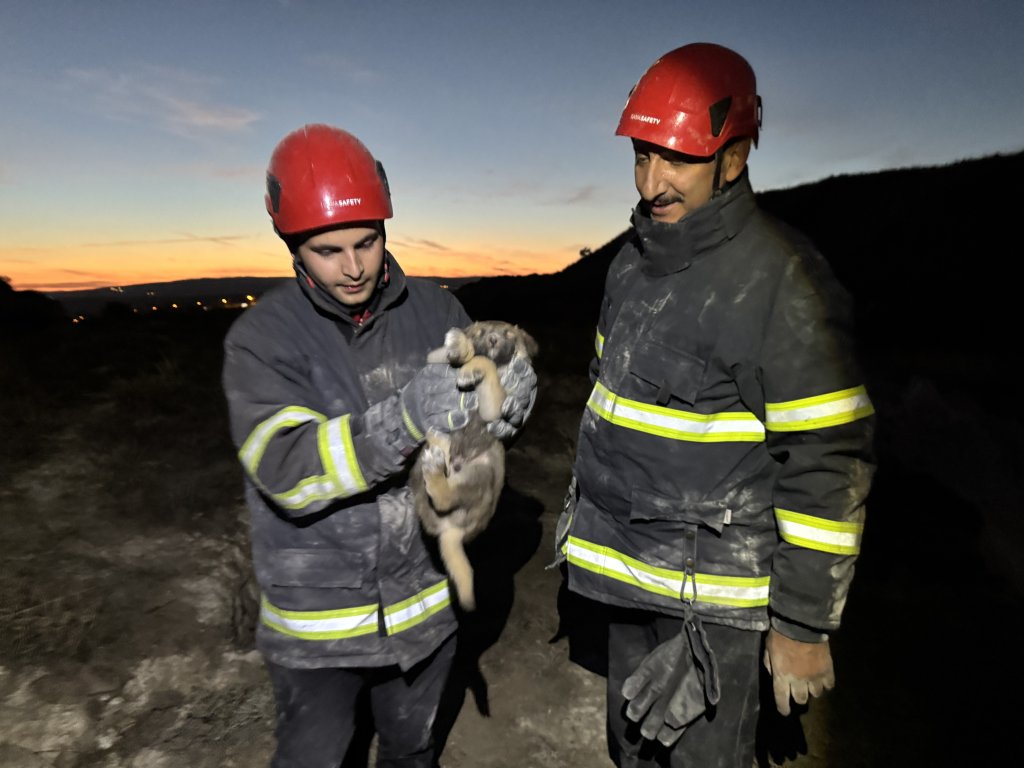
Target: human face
{"points": [[672, 184], [346, 262]]}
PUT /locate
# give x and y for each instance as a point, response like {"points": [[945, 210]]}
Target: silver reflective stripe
{"points": [[417, 608], [839, 538], [338, 455], [739, 426], [599, 345], [320, 625], [256, 444], [307, 491], [826, 410], [739, 591]]}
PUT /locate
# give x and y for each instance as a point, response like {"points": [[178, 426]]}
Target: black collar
{"points": [[669, 248]]}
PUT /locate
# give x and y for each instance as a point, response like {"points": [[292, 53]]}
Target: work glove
{"points": [[673, 685], [798, 669], [432, 400], [520, 383]]}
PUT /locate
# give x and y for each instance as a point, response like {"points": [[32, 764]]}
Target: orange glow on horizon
{"points": [[82, 267]]}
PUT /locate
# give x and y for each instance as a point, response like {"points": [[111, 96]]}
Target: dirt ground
{"points": [[128, 638], [127, 605]]}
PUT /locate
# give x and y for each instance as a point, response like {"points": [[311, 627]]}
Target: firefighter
{"points": [[330, 396], [724, 455]]}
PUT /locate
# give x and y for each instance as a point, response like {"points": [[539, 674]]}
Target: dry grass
{"points": [[38, 622]]}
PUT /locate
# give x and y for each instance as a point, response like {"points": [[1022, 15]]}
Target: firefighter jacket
{"points": [[724, 454], [346, 577]]}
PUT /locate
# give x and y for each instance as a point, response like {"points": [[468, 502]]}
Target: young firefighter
{"points": [[329, 399], [725, 453]]}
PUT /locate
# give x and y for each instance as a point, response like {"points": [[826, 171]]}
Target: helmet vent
{"points": [[274, 192], [718, 112]]}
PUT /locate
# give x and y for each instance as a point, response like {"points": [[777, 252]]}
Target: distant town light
{"points": [[153, 308], [249, 298], [174, 306], [223, 301], [199, 303], [244, 305]]}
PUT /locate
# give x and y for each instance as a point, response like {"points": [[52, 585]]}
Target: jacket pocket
{"points": [[679, 513], [669, 371], [315, 568]]}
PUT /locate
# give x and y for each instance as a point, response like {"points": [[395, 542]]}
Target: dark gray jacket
{"points": [[725, 453], [346, 576]]}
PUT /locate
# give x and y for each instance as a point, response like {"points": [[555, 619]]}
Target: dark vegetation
{"points": [[927, 654]]}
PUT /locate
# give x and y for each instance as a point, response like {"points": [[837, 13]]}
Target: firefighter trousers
{"points": [[721, 738], [318, 709]]}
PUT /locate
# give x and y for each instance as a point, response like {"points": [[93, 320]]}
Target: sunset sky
{"points": [[134, 135]]}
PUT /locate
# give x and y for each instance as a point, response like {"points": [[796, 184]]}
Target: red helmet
{"points": [[693, 100], [320, 175]]}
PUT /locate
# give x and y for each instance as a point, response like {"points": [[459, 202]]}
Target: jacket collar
{"points": [[390, 288], [668, 248]]}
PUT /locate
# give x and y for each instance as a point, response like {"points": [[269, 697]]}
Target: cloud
{"points": [[335, 65], [583, 194], [178, 101], [185, 238], [406, 242]]}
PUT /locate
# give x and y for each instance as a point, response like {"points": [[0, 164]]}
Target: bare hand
{"points": [[798, 669]]}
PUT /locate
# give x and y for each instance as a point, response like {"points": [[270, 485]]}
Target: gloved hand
{"points": [[673, 685], [432, 400], [520, 383], [798, 669]]}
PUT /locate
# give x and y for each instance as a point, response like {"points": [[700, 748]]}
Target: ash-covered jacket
{"points": [[338, 552], [724, 455]]}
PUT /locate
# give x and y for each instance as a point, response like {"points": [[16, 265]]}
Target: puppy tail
{"points": [[457, 565]]}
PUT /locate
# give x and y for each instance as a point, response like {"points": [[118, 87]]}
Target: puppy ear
{"points": [[527, 343]]}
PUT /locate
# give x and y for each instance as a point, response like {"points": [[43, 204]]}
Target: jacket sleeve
{"points": [[819, 423], [300, 458]]}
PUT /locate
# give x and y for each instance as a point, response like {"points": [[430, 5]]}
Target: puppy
{"points": [[457, 478]]}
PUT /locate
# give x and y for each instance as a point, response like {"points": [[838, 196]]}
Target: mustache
{"points": [[665, 199]]}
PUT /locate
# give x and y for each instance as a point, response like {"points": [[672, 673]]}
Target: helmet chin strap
{"points": [[717, 190]]}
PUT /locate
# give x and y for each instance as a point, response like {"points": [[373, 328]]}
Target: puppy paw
{"points": [[458, 346], [467, 378], [433, 460]]}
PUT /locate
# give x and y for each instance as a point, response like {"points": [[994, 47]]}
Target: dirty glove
{"points": [[520, 383], [432, 400], [798, 669], [673, 685]]}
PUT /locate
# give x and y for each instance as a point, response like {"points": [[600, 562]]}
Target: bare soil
{"points": [[127, 604]]}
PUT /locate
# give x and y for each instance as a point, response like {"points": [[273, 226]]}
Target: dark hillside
{"points": [[927, 252]]}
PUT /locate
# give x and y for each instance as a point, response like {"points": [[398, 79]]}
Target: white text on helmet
{"points": [[645, 118], [347, 202]]}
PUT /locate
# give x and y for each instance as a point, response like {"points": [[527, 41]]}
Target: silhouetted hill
{"points": [[920, 250], [24, 309], [923, 250], [185, 293]]}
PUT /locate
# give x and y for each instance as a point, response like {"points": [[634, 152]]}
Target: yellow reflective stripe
{"points": [[255, 445], [839, 538], [599, 344], [417, 609], [413, 429], [826, 410], [320, 625], [739, 591], [739, 426], [338, 455]]}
